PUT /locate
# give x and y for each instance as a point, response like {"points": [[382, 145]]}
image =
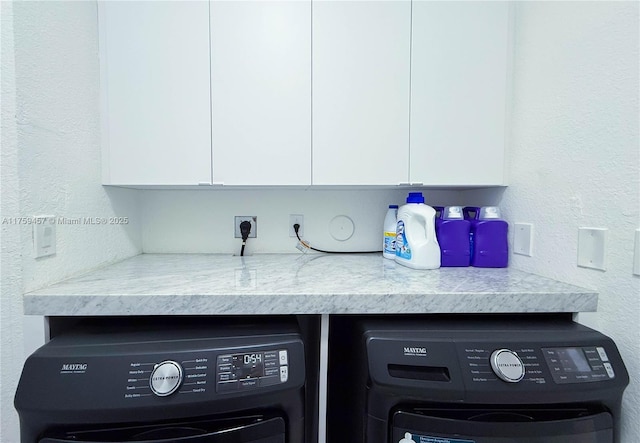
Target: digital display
{"points": [[251, 370], [572, 360], [248, 365]]}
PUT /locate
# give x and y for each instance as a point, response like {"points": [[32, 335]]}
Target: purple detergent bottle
{"points": [[453, 233], [488, 237]]}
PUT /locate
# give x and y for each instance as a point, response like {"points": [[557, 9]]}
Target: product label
{"points": [[389, 242], [414, 438], [402, 247]]}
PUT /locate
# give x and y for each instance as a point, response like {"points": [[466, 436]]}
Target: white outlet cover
{"points": [[251, 219], [341, 228], [592, 244], [44, 235], [293, 219], [636, 254], [523, 239]]}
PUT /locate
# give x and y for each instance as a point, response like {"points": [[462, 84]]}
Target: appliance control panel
{"points": [[168, 377], [213, 373], [252, 370], [493, 363], [578, 364]]}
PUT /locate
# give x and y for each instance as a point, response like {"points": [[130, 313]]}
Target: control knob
{"points": [[507, 365], [166, 378]]}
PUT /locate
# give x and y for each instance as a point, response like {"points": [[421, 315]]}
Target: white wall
{"points": [[203, 221], [57, 80], [575, 158], [51, 164], [10, 266]]}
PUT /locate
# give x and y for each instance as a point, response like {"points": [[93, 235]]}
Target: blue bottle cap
{"points": [[415, 197]]}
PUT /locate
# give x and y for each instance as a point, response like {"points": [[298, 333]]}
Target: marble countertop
{"points": [[216, 284]]}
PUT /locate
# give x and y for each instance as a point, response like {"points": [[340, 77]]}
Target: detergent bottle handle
{"points": [[467, 210]]}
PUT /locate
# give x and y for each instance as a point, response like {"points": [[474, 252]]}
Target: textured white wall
{"points": [[51, 164], [575, 158], [57, 79], [11, 353], [203, 221]]}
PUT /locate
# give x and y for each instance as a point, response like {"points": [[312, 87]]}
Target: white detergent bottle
{"points": [[416, 243], [389, 233]]}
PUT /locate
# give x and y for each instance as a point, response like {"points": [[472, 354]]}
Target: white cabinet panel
{"points": [[459, 78], [155, 75], [261, 92], [361, 68]]}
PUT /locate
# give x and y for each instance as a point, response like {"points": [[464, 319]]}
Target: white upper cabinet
{"points": [[300, 93], [361, 71], [155, 93], [261, 92], [459, 78]]}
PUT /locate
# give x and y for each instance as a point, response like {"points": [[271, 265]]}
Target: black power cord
{"points": [[245, 229], [296, 228]]}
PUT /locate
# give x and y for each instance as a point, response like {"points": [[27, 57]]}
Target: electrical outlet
{"points": [[251, 219], [293, 219]]}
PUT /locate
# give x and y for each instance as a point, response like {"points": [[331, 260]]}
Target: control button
{"points": [[225, 368], [224, 359], [271, 371], [271, 364], [284, 373], [283, 358], [602, 353], [609, 369], [226, 377], [507, 365], [271, 355], [590, 352], [166, 378]]}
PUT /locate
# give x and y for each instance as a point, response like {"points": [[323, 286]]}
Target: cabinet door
{"points": [[261, 92], [155, 93], [459, 77], [361, 67]]}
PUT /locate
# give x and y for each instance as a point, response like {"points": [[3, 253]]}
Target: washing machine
{"points": [[163, 380], [473, 380]]}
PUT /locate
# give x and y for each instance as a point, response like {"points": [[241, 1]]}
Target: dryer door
{"points": [[252, 429], [501, 426]]}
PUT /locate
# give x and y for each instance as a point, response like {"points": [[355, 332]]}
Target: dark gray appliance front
{"points": [[195, 381], [478, 381]]}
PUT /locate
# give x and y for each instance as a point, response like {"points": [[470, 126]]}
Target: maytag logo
{"points": [[73, 367], [415, 351]]}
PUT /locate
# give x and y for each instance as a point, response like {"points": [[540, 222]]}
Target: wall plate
{"points": [[592, 244], [293, 219], [44, 235], [251, 219], [636, 254], [523, 239], [341, 228]]}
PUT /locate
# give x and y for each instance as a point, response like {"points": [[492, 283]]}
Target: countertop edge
{"points": [[284, 304]]}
